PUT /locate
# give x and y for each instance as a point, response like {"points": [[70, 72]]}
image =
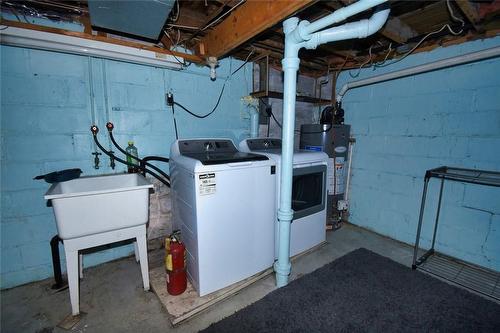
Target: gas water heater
{"points": [[333, 139]]}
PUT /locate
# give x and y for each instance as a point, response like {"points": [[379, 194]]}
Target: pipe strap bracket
{"points": [[290, 63], [282, 269], [285, 216]]}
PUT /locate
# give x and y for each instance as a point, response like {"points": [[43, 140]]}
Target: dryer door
{"points": [[308, 191]]}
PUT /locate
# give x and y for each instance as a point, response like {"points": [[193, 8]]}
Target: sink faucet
{"points": [[112, 160], [96, 159]]}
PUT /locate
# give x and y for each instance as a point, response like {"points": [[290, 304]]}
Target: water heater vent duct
{"points": [[144, 18]]}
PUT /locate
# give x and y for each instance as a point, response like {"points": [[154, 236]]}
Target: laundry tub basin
{"points": [[91, 205]]}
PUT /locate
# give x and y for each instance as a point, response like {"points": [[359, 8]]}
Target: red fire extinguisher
{"points": [[175, 263]]}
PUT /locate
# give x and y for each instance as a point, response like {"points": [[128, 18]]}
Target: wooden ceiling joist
{"points": [[246, 22], [398, 31], [471, 11], [187, 57], [236, 28]]}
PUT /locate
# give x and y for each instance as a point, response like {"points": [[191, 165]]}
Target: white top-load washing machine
{"points": [[223, 203], [308, 192]]}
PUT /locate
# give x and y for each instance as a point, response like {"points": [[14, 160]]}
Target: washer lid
{"points": [[215, 151], [212, 158]]}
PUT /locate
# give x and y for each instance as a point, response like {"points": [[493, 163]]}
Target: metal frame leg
{"points": [[143, 258], [73, 282], [56, 262], [419, 228], [136, 251], [80, 265], [437, 214]]}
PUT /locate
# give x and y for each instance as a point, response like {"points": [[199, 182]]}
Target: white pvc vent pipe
{"points": [[307, 35]]}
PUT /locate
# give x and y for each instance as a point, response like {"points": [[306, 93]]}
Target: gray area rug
{"points": [[365, 292]]}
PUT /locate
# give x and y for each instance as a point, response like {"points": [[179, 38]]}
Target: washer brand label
{"points": [[313, 148], [207, 183]]}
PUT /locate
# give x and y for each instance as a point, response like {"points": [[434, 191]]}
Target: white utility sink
{"points": [[93, 211], [91, 205]]}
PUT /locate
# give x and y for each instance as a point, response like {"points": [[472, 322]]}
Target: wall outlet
{"points": [[169, 98]]}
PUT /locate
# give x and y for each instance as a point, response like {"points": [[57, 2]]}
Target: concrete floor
{"points": [[112, 296]]}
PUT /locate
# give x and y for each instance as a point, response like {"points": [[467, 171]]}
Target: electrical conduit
{"points": [[299, 35]]}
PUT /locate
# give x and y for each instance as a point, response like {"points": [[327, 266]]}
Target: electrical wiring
{"points": [[222, 16], [335, 76], [274, 118], [176, 12], [13, 11], [175, 122], [207, 114], [268, 126], [269, 110], [183, 63], [221, 92], [363, 64], [389, 51], [455, 33], [76, 9], [446, 26], [245, 62], [452, 14], [212, 23], [420, 42], [182, 26]]}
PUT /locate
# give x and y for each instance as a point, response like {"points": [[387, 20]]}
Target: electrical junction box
{"points": [[342, 205], [142, 18]]}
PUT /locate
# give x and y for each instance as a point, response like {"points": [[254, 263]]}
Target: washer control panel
{"points": [[206, 146], [263, 144]]}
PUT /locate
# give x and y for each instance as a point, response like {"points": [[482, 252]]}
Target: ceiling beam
{"points": [[167, 43], [246, 22], [487, 10], [85, 21], [187, 57], [398, 31], [471, 11]]}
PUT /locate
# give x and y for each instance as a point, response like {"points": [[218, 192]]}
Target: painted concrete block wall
{"points": [[48, 102], [406, 126]]}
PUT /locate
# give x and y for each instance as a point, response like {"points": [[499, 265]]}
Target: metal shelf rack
{"points": [[473, 277]]}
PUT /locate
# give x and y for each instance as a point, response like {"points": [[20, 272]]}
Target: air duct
{"points": [[141, 18]]}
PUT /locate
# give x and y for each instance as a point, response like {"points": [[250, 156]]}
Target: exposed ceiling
{"points": [[194, 25]]}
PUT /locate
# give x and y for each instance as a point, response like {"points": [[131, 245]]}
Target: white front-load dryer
{"points": [[310, 173]]}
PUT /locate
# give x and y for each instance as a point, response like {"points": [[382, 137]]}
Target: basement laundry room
{"points": [[250, 166]]}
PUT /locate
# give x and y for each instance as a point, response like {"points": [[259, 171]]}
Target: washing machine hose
{"points": [[165, 180]]}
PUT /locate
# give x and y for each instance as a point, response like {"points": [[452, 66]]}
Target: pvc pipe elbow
{"points": [[290, 24], [376, 22], [360, 29]]}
